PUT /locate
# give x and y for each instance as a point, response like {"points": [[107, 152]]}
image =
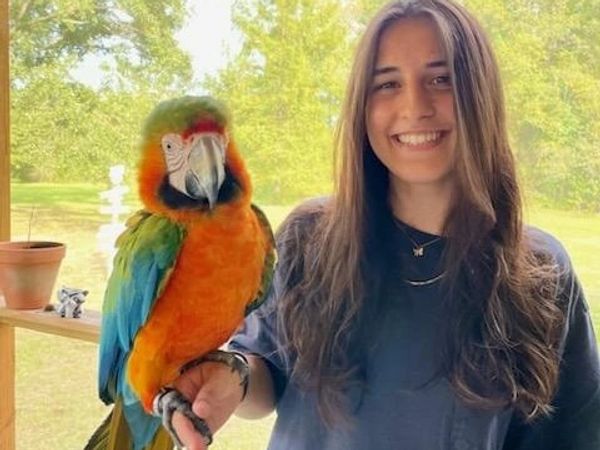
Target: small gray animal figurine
{"points": [[71, 301]]}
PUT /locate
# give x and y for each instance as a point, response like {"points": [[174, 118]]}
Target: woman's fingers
{"points": [[189, 383], [187, 434], [219, 395], [214, 391]]}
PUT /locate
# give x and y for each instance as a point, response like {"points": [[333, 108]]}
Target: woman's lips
{"points": [[422, 140]]}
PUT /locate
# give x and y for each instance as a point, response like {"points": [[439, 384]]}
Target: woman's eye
{"points": [[441, 81], [385, 85]]}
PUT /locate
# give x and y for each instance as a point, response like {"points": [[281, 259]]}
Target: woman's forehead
{"points": [[414, 40]]}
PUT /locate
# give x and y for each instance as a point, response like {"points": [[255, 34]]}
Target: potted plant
{"points": [[28, 271]]}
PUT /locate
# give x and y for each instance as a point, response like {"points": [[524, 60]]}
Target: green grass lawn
{"points": [[580, 235], [57, 406]]}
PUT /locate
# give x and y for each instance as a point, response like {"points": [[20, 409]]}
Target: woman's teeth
{"points": [[418, 138]]}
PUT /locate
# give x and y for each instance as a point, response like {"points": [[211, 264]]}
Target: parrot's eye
{"points": [[171, 142]]}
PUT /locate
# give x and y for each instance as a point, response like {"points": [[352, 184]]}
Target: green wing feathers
{"points": [[114, 434], [270, 261]]}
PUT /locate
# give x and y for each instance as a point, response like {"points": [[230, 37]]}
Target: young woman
{"points": [[413, 309]]}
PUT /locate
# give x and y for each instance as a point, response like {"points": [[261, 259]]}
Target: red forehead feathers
{"points": [[204, 126]]}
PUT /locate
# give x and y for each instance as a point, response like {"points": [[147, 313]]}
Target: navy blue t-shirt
{"points": [[404, 403]]}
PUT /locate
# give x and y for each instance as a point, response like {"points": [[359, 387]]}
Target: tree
{"points": [[551, 70], [284, 88], [64, 129], [138, 35]]}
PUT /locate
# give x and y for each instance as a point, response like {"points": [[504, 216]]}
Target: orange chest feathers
{"points": [[217, 273]]}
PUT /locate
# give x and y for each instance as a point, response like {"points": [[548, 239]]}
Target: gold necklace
{"points": [[425, 282], [418, 249]]}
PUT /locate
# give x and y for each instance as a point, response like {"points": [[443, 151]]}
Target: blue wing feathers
{"points": [[147, 252], [143, 427]]}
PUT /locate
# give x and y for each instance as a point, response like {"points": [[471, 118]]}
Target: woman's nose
{"points": [[416, 103]]}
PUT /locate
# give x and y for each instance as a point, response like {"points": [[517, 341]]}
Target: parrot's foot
{"points": [[237, 362], [170, 400]]}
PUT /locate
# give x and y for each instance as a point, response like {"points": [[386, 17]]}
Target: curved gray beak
{"points": [[206, 167]]}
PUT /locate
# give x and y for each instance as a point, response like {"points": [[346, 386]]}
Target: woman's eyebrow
{"points": [[384, 70], [388, 69], [438, 63]]}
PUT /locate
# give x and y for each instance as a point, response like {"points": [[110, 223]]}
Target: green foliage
{"points": [[138, 34], [551, 70], [67, 131], [64, 130], [284, 89]]}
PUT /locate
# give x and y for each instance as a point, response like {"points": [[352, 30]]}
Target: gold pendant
{"points": [[418, 251]]}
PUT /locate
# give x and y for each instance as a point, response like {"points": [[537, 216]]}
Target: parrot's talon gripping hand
{"points": [[170, 400], [235, 360]]}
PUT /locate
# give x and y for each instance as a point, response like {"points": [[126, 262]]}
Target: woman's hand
{"points": [[214, 391]]}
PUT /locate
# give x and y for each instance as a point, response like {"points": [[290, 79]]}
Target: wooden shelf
{"points": [[86, 328]]}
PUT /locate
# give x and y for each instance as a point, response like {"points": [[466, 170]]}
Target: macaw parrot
{"points": [[189, 267]]}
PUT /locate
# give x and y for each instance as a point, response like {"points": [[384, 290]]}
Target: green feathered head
{"points": [[187, 160], [182, 114]]}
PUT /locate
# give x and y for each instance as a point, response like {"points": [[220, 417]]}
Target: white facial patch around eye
{"points": [[172, 144], [175, 160]]}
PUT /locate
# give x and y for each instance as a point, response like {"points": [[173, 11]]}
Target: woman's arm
{"points": [[260, 396], [575, 422]]}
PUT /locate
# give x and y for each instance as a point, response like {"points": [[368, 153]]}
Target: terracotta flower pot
{"points": [[28, 271]]}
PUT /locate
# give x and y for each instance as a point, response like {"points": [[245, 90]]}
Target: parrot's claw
{"points": [[170, 400], [237, 362]]}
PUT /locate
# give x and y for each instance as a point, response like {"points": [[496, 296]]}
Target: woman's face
{"points": [[410, 109]]}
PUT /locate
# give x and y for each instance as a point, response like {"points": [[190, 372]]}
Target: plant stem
{"points": [[30, 223]]}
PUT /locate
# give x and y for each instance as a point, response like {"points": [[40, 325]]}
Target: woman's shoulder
{"points": [[551, 253], [547, 246], [298, 236], [304, 217]]}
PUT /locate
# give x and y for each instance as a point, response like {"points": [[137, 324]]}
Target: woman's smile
{"points": [[419, 140]]}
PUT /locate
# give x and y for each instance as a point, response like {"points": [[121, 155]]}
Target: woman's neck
{"points": [[421, 206]]}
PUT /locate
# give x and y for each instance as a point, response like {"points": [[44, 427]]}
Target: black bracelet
{"points": [[246, 376]]}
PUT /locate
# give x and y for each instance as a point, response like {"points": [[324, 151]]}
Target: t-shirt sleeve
{"points": [[575, 422]]}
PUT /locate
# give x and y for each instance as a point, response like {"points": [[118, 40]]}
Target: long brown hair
{"points": [[502, 346]]}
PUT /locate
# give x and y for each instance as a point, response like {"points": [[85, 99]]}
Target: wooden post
{"points": [[4, 124], [7, 387], [7, 332]]}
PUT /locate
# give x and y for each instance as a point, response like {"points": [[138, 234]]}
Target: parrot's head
{"points": [[189, 163]]}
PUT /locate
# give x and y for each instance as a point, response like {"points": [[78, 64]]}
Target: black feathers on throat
{"points": [[174, 199]]}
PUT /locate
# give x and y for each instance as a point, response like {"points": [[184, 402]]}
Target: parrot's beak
{"points": [[206, 167]]}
